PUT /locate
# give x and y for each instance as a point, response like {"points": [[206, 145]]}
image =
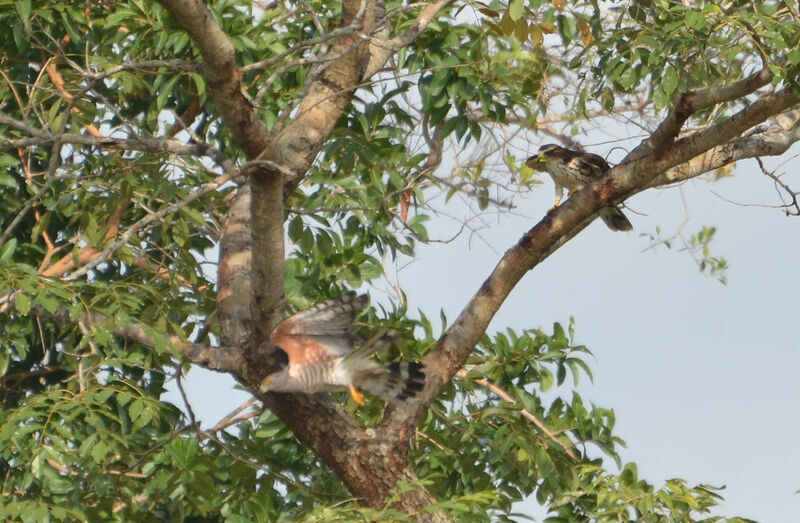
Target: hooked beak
{"points": [[536, 162]]}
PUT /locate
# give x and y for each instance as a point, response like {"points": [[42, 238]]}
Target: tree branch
{"points": [[382, 51], [233, 272], [698, 100], [219, 70], [505, 396], [150, 218], [559, 226], [224, 359], [42, 138], [775, 141]]}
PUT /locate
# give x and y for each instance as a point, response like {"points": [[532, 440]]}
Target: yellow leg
{"points": [[357, 396], [558, 201], [571, 192]]}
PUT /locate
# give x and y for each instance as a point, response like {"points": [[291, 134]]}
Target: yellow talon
{"points": [[555, 205], [357, 396]]}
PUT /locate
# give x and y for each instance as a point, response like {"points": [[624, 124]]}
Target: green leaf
{"points": [[24, 9], [6, 160], [99, 451], [7, 250], [628, 78], [22, 303], [660, 98], [165, 91], [670, 81], [695, 20], [515, 9]]}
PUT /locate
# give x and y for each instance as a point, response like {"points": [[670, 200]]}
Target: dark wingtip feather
{"points": [[615, 219]]}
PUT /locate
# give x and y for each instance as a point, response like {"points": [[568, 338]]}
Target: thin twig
{"points": [[231, 418], [505, 396]]}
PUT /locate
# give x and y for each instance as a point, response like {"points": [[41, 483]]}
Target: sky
{"points": [[703, 377]]}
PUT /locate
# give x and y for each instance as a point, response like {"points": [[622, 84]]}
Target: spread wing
{"points": [[322, 332]]}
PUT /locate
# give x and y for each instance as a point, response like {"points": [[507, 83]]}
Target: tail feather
{"points": [[397, 382], [614, 219], [381, 340]]}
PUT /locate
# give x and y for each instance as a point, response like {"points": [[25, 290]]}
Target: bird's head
{"points": [[537, 162], [275, 380]]}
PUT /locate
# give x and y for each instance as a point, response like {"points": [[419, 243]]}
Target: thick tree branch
{"points": [[698, 100], [219, 70], [774, 141], [223, 79], [369, 462], [360, 457], [331, 87], [561, 225], [233, 274]]}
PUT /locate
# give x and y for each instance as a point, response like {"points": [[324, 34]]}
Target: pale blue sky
{"points": [[702, 376]]}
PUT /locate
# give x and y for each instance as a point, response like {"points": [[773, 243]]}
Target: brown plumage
{"points": [[572, 170], [316, 346]]}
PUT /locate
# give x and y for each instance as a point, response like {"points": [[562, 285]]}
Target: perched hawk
{"points": [[316, 347], [572, 170]]}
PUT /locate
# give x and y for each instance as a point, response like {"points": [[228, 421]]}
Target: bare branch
{"points": [[233, 417], [145, 65], [773, 142]]}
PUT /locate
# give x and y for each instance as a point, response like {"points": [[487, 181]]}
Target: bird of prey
{"points": [[316, 349], [572, 170]]}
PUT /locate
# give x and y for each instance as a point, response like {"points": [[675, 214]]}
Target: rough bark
{"points": [[369, 463], [233, 273], [563, 223], [372, 461]]}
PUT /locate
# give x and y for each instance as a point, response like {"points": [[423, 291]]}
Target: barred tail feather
{"points": [[615, 219], [396, 382]]}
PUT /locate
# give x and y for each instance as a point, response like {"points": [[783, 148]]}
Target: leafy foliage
{"points": [[85, 433]]}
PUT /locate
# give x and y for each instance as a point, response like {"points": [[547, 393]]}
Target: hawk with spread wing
{"points": [[572, 170], [316, 349]]}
